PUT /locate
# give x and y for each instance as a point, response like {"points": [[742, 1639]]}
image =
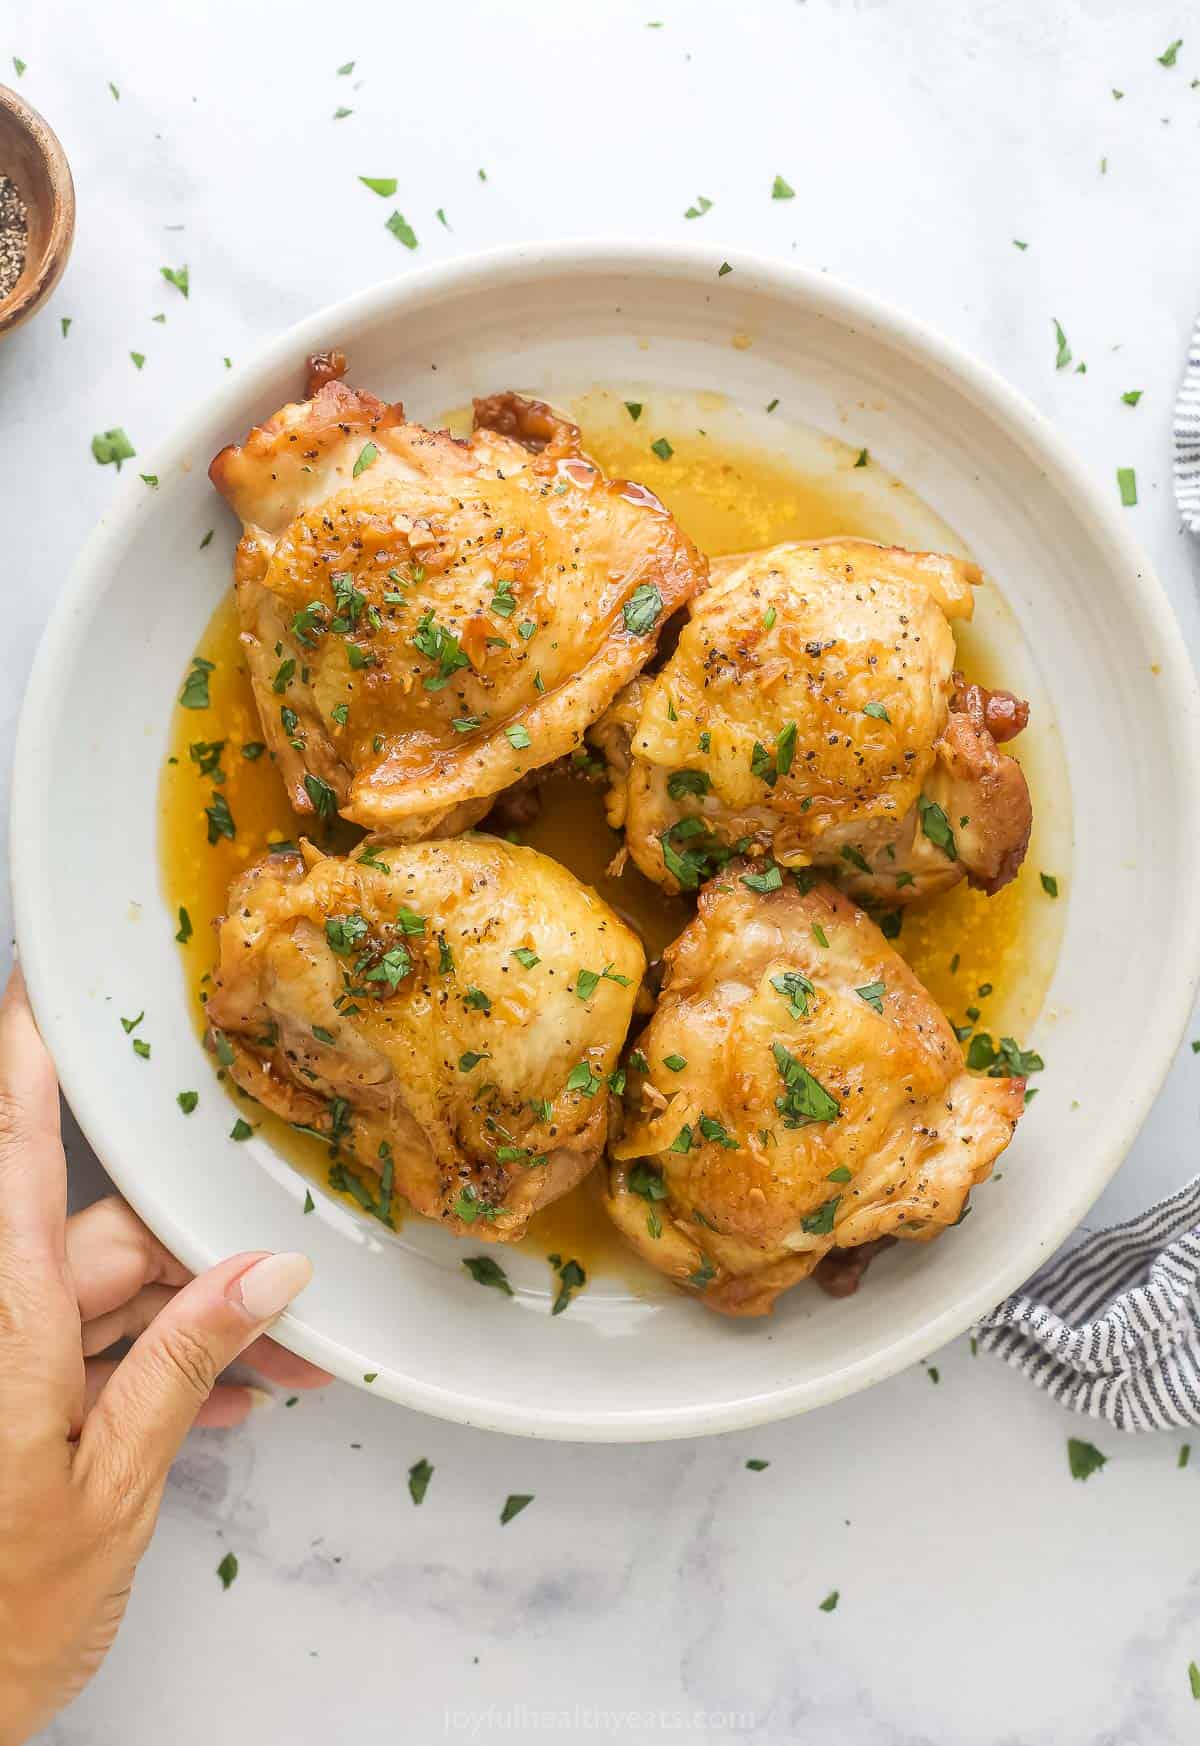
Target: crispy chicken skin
{"points": [[811, 710], [782, 1114], [383, 1002], [427, 619]]}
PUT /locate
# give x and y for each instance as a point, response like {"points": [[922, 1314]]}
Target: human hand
{"points": [[86, 1442]]}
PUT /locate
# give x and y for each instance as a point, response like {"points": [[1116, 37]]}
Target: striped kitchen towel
{"points": [[1111, 1327], [1187, 438]]}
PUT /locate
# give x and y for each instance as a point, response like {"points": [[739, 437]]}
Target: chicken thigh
{"points": [[795, 1091], [426, 619], [446, 1015], [811, 710]]}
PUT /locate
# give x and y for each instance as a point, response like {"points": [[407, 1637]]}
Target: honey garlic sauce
{"points": [[730, 495]]}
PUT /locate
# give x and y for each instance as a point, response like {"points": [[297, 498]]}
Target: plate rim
{"points": [[85, 586]]}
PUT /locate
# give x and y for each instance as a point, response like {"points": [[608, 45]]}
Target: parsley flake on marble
{"points": [[1083, 1458]]}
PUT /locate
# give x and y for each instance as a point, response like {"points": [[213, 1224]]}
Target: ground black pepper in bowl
{"points": [[14, 235]]}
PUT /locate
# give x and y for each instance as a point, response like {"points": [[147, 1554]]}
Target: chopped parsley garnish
{"points": [[829, 1604], [873, 994], [841, 1174], [662, 448], [468, 1062], [855, 857], [1194, 1680], [781, 190], [187, 1101], [864, 456], [465, 724], [877, 710], [241, 1130], [683, 782], [439, 645], [1083, 1458], [402, 230], [1131, 396], [936, 827], [1005, 1061], [1049, 884], [581, 1078], [683, 1140], [483, 1270], [310, 1204], [185, 927], [634, 409], [220, 819], [768, 767], [504, 601], [700, 208], [676, 1063], [1062, 356], [647, 1181], [723, 269], [141, 1048], [795, 989], [206, 755], [195, 687], [1169, 54], [517, 735], [526, 956], [642, 608], [698, 858], [367, 457], [639, 1064], [703, 1274], [819, 934], [445, 957], [385, 186], [227, 1569], [392, 968], [370, 858], [571, 1278], [769, 618], [586, 983], [322, 1035], [323, 798], [344, 932], [177, 276], [820, 1222], [717, 1133], [419, 1475], [283, 676], [804, 1098], [771, 880], [756, 1466], [407, 920], [514, 1503], [132, 1024], [1127, 486], [477, 1000]]}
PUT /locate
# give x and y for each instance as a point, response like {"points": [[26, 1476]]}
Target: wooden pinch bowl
{"points": [[31, 156]]}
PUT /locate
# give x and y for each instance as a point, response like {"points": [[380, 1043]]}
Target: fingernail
{"points": [[266, 1289], [259, 1397]]}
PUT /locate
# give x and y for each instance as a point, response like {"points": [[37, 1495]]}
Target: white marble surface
{"points": [[985, 1597]]}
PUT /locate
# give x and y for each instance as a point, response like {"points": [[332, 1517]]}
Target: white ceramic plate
{"points": [[96, 939]]}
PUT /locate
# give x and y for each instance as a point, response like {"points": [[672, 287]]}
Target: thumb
{"points": [[150, 1402]]}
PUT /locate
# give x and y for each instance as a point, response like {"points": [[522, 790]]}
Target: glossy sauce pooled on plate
{"points": [[986, 960]]}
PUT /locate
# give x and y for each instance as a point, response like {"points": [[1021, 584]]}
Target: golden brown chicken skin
{"points": [[426, 619], [445, 1014], [796, 1091], [811, 710]]}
